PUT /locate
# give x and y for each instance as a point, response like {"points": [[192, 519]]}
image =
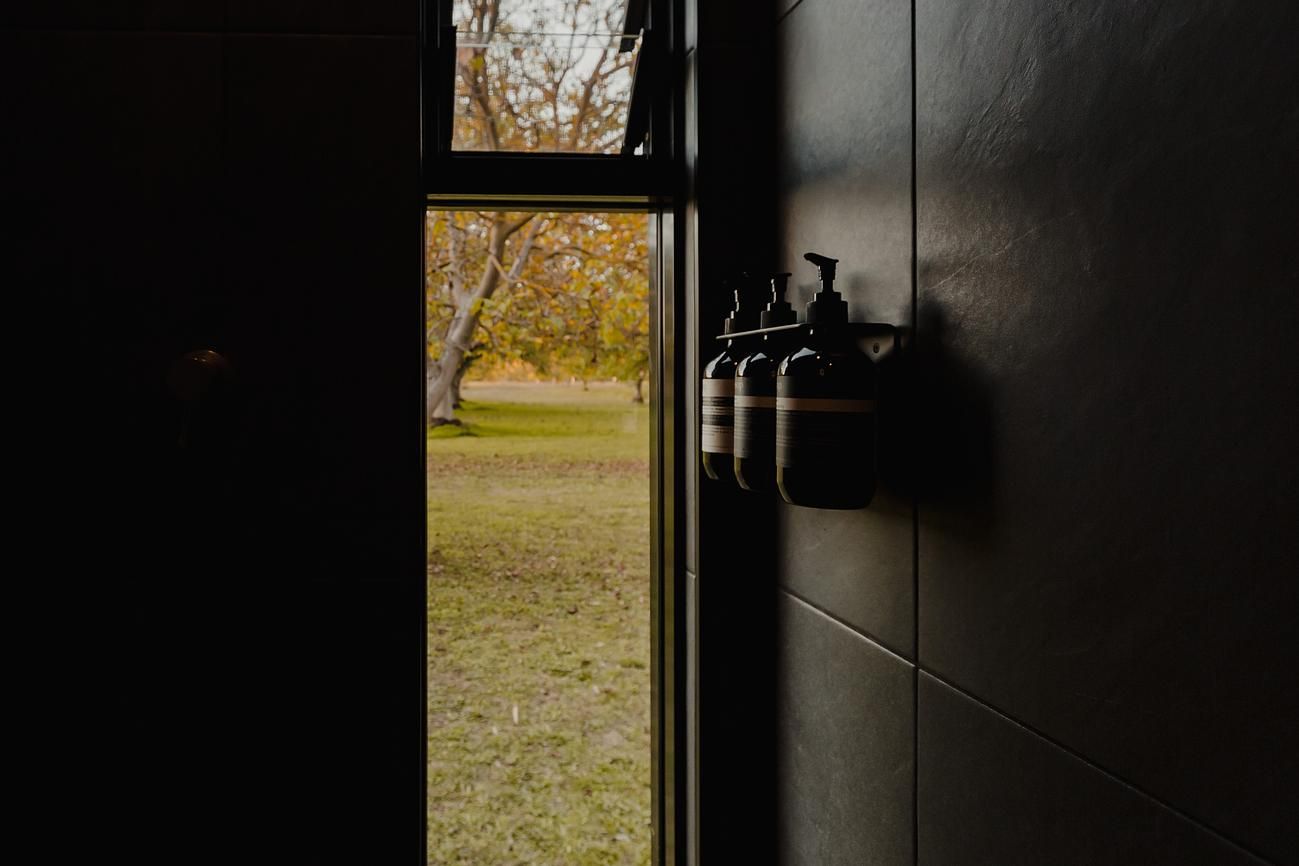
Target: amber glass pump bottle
{"points": [[755, 395], [717, 433], [825, 408]]}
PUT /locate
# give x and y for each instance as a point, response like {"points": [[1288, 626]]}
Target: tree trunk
{"points": [[444, 412], [441, 412], [461, 330], [639, 396], [455, 384]]}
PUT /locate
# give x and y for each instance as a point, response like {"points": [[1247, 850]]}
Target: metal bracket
{"points": [[876, 340]]}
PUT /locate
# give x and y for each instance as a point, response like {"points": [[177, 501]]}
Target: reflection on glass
{"points": [[545, 76]]}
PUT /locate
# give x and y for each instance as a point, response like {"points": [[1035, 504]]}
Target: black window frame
{"points": [[578, 181], [650, 183]]}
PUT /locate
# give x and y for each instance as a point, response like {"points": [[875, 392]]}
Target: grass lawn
{"points": [[538, 629]]}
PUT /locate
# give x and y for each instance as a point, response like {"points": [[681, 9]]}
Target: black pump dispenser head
{"points": [[741, 317], [778, 311], [828, 306]]}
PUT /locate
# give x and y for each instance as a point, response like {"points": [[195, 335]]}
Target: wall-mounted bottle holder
{"points": [[818, 437], [797, 403], [875, 339]]}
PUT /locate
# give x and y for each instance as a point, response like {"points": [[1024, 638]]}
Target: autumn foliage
{"points": [[565, 294], [574, 301]]}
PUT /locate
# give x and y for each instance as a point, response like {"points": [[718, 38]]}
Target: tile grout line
{"points": [[852, 628], [1028, 728], [917, 668], [783, 15], [1088, 762]]}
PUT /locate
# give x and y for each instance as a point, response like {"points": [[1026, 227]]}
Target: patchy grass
{"points": [[538, 624]]}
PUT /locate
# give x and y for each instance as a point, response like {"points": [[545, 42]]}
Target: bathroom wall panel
{"points": [[990, 791], [1107, 309], [844, 765], [844, 133], [856, 565]]}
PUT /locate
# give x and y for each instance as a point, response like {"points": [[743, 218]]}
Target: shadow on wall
{"points": [[936, 432]]}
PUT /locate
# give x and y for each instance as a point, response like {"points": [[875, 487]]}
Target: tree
{"points": [[575, 305], [611, 293], [469, 288], [520, 87]]}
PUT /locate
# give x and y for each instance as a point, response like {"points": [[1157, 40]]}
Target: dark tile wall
{"points": [[845, 185], [844, 759], [241, 586], [992, 792], [1099, 408], [1106, 250], [846, 726]]}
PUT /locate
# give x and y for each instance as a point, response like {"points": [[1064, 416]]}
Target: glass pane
{"points": [[539, 574], [542, 76]]}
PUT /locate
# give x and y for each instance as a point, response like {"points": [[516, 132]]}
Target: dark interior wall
{"points": [[1107, 251], [232, 605], [846, 578], [727, 201], [1077, 647]]}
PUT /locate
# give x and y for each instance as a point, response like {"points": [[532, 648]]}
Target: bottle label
{"points": [[718, 433], [824, 431], [755, 425]]}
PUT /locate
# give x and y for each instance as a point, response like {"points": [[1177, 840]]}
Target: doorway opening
{"points": [[539, 715]]}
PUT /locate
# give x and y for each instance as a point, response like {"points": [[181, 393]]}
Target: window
{"points": [[570, 105], [553, 77], [548, 101]]}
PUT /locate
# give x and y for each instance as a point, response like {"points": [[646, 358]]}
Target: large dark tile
{"points": [[1107, 261], [845, 190], [844, 760], [990, 791], [393, 17], [845, 151], [188, 15], [855, 564]]}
